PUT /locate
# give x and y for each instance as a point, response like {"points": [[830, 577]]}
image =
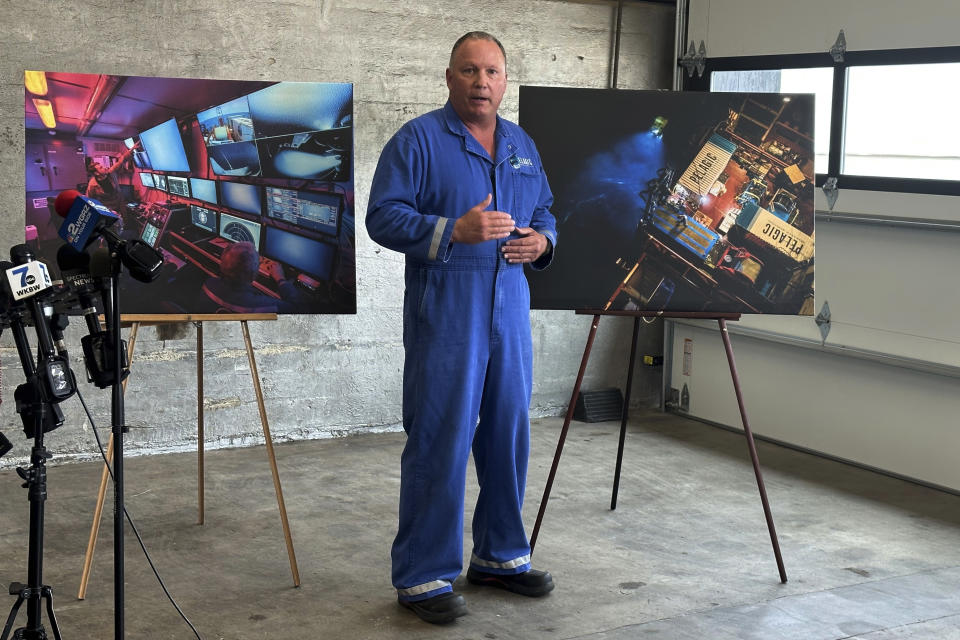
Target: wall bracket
{"points": [[823, 322], [831, 191], [839, 48], [694, 60]]}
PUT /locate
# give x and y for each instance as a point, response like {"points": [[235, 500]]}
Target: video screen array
{"points": [[292, 130]]}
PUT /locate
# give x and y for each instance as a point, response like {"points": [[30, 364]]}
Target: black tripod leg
{"points": [[624, 413], [48, 596], [11, 618]]}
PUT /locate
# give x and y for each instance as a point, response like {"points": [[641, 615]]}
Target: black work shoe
{"points": [[531, 583], [440, 609]]}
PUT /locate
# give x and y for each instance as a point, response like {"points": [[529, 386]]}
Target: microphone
{"points": [[75, 268], [52, 368], [85, 219], [50, 375], [27, 277], [98, 351]]}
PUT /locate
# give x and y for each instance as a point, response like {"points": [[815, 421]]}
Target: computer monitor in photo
{"points": [[239, 230], [203, 218], [313, 210], [304, 130], [164, 144], [313, 257], [229, 135], [205, 190], [178, 186], [150, 234], [242, 197]]}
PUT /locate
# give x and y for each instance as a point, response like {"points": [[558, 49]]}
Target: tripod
{"points": [[34, 591], [36, 411]]}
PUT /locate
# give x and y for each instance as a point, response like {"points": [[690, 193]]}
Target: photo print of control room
{"points": [[246, 188], [676, 201]]}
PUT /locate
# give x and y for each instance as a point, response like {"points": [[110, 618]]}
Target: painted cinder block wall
{"points": [[322, 375]]}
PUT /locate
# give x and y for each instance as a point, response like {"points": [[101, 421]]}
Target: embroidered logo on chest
{"points": [[517, 162]]}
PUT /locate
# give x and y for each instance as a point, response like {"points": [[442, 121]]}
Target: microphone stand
{"points": [[33, 406], [117, 419]]}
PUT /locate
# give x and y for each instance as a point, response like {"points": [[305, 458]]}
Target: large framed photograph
{"points": [[244, 187], [676, 201]]}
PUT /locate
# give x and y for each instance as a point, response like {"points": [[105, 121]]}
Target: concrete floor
{"points": [[685, 555]]}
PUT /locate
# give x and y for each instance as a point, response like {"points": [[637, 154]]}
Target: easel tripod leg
{"points": [[200, 425], [563, 431], [104, 476], [273, 460], [624, 413], [751, 445]]}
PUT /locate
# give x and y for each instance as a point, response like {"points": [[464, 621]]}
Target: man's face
{"points": [[477, 80]]}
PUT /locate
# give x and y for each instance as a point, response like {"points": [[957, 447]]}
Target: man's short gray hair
{"points": [[477, 35]]}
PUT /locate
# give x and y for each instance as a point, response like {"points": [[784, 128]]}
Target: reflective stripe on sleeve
{"points": [[437, 237]]}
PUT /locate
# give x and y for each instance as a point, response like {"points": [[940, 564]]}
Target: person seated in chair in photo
{"points": [[462, 193], [233, 290]]}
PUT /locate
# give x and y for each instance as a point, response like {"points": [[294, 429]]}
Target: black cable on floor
{"points": [[133, 527]]}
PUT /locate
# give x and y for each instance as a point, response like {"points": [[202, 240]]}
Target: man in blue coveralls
{"points": [[462, 193]]}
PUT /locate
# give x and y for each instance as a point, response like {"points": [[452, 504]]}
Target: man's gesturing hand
{"points": [[478, 225], [527, 248]]}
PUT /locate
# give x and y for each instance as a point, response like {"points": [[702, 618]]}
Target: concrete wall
{"points": [[329, 375]]}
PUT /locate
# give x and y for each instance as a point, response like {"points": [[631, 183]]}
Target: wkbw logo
{"points": [[28, 279]]}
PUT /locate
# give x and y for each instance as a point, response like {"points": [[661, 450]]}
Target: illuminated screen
{"points": [[229, 136], [307, 209], [160, 181], [150, 234], [287, 108], [313, 257], [165, 147], [288, 130], [205, 190], [242, 197], [140, 158], [227, 123], [146, 179], [203, 218], [178, 185], [239, 230], [304, 130]]}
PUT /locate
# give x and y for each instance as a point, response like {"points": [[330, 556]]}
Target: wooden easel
{"points": [[721, 318], [134, 321]]}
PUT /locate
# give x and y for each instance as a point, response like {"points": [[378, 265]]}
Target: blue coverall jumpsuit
{"points": [[466, 335]]}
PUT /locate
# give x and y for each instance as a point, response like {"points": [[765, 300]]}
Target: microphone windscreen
{"points": [[101, 263], [21, 253], [5, 265], [64, 201], [69, 258]]}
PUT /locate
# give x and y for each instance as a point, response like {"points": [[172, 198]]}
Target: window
{"points": [[885, 120]]}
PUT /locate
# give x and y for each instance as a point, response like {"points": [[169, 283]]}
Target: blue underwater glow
{"points": [[608, 191]]}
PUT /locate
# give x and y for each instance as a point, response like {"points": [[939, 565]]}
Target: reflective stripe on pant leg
{"points": [[424, 591]]}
